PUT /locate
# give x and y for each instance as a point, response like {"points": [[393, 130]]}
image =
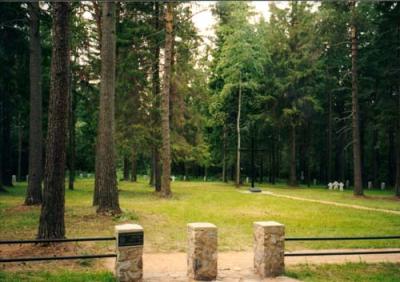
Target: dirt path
{"points": [[324, 202], [238, 266]]}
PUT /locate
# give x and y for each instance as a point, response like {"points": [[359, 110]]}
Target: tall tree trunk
{"points": [[278, 156], [126, 169], [2, 189], [330, 142], [237, 181], [397, 183], [358, 189], [156, 171], [35, 171], [6, 148], [292, 177], [261, 176], [375, 158], [224, 172], [19, 148], [71, 137], [52, 212], [106, 179], [274, 164], [152, 167], [133, 165], [166, 146], [391, 157]]}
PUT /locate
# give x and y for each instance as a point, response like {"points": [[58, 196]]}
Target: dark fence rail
{"points": [[64, 240], [307, 254], [287, 254], [341, 238], [57, 258]]}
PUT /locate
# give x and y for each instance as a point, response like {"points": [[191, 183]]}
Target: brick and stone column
{"points": [[202, 253], [269, 248], [129, 263]]}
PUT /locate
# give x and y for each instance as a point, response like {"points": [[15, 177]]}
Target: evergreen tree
{"points": [[52, 213], [106, 193]]}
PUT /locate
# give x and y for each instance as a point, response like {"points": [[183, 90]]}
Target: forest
{"points": [[126, 89]]}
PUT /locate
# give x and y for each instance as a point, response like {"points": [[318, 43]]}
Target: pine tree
{"points": [[166, 146], [358, 189], [52, 213], [106, 180], [34, 191]]}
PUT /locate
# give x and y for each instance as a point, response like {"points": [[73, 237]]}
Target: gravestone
{"points": [[341, 185], [330, 185], [315, 181], [27, 178], [335, 185], [14, 179], [369, 184], [383, 186], [347, 184]]}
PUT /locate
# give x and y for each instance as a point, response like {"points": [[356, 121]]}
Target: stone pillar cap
{"points": [[128, 227], [267, 223], [201, 225]]}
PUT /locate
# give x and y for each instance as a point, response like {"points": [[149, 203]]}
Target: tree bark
{"points": [[106, 179], [71, 138], [52, 212], [224, 176], [292, 177], [2, 189], [375, 158], [156, 170], [330, 142], [134, 166], [165, 111], [19, 148], [6, 148], [237, 181], [126, 168], [397, 183], [151, 178], [358, 189]]}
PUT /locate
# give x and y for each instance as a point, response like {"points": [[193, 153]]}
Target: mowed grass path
{"points": [[165, 221], [373, 198]]}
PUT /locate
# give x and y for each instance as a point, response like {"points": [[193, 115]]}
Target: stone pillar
{"points": [[202, 253], [269, 245], [129, 263]]}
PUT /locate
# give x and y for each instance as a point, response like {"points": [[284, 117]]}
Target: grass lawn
{"points": [[384, 272], [373, 198], [60, 276], [165, 221]]}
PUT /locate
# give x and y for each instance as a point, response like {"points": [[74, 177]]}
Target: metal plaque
{"points": [[130, 239]]}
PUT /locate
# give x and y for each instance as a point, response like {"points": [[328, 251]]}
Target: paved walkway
{"points": [[323, 202], [238, 266]]}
